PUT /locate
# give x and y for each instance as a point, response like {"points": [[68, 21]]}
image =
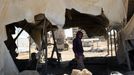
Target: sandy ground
{"points": [[99, 49], [96, 60]]}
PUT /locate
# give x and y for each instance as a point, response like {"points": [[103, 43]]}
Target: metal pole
{"points": [[18, 35], [111, 43], [108, 44], [53, 52], [45, 33], [29, 47], [53, 44], [55, 48], [44, 43], [115, 41]]}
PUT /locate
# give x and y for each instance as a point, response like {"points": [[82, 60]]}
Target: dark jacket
{"points": [[77, 46]]}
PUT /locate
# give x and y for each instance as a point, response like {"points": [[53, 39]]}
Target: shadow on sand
{"points": [[97, 65]]}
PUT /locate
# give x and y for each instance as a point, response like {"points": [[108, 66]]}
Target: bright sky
{"points": [[68, 32], [24, 34]]}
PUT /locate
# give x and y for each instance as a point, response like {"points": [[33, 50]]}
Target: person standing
{"points": [[78, 50]]}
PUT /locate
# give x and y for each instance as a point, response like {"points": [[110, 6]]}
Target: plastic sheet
{"points": [[16, 10]]}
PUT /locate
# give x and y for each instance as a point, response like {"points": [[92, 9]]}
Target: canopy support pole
{"points": [[108, 44], [45, 43], [55, 48], [29, 48], [111, 43], [115, 41]]}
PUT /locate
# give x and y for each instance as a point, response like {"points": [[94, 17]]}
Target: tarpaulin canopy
{"points": [[128, 31], [16, 10]]}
